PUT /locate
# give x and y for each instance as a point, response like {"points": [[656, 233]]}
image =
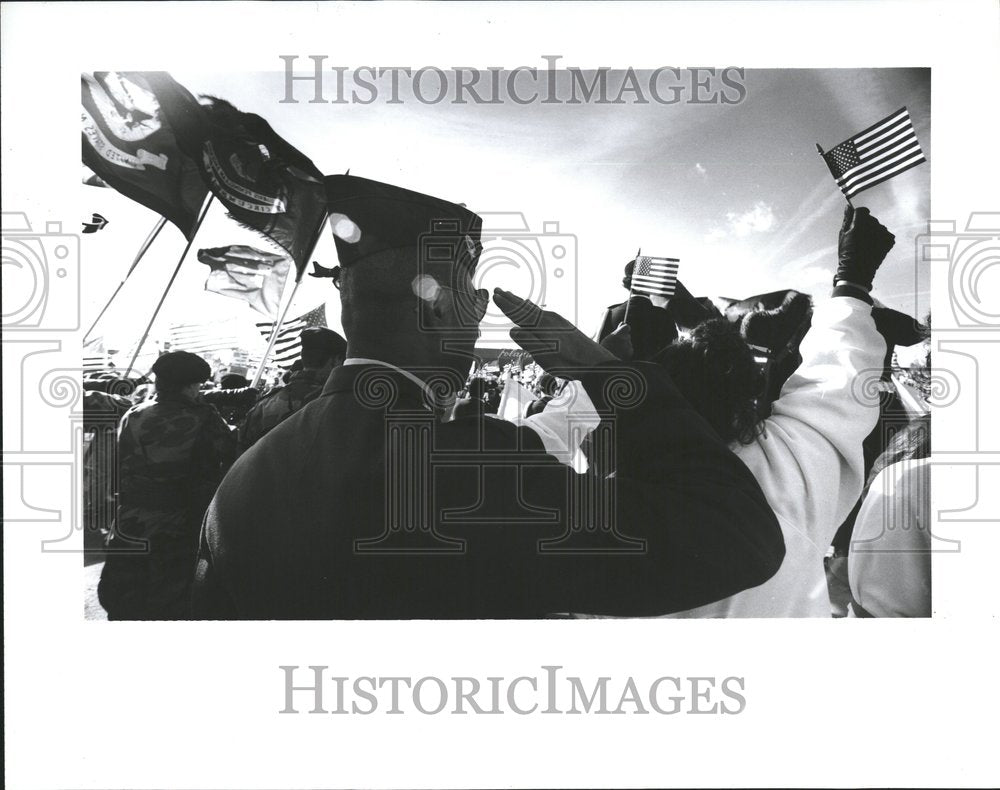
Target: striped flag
{"points": [[95, 363], [207, 340], [655, 276], [876, 154], [95, 356], [287, 347]]}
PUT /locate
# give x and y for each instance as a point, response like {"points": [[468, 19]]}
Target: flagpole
{"points": [[156, 312], [818, 148], [284, 311], [274, 334], [138, 257], [630, 287]]}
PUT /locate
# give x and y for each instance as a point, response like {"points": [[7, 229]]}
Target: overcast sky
{"points": [[737, 192]]}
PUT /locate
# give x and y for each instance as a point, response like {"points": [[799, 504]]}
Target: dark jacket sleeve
{"points": [[612, 318], [672, 519], [210, 600]]}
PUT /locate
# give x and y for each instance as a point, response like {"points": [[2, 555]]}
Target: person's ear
{"points": [[434, 303]]}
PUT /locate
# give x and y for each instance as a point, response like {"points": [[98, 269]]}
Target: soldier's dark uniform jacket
{"points": [[172, 453], [338, 513], [280, 404]]}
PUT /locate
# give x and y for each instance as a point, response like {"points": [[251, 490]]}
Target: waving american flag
{"points": [[656, 276], [288, 346], [880, 152]]}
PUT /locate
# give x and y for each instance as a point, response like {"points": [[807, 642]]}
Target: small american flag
{"points": [[287, 347], [655, 276], [876, 154]]}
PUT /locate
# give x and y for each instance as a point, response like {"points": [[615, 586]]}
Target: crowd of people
{"points": [[698, 458]]}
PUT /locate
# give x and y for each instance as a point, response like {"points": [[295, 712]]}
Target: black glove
{"points": [[864, 243]]}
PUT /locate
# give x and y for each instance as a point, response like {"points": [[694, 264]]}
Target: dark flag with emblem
{"points": [[880, 152], [131, 143], [655, 276], [246, 273], [288, 347], [265, 183], [91, 179]]}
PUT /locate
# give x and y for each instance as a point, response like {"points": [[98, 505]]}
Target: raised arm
{"points": [[809, 456], [690, 524]]}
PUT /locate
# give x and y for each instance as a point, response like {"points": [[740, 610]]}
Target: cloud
{"points": [[759, 219]]}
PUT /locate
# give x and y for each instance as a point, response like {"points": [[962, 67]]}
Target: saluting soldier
{"points": [[363, 506], [172, 452], [322, 350]]}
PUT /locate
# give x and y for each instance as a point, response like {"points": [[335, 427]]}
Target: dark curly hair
{"points": [[716, 373], [627, 279]]}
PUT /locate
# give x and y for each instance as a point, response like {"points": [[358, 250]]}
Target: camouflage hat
{"points": [[181, 368]]}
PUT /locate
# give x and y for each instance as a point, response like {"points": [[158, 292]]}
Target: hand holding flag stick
{"points": [[652, 277]]}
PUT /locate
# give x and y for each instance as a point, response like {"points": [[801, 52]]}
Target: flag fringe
{"points": [[274, 246]]}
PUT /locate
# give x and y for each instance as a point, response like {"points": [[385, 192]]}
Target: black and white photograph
{"points": [[391, 373], [444, 418]]}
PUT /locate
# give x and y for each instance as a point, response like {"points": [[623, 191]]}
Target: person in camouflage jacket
{"points": [[172, 452], [322, 350]]}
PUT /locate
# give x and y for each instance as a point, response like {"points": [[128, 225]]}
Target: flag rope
{"points": [[156, 312], [135, 262]]}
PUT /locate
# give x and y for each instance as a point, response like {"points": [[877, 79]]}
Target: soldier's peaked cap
{"points": [[181, 368], [368, 217]]}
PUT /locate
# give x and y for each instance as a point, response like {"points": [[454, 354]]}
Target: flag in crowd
{"points": [[205, 339], [880, 152], [131, 143], [265, 183], [242, 272], [95, 355], [287, 346], [655, 276]]}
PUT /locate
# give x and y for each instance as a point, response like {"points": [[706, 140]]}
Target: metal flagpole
{"points": [[631, 285], [284, 312], [156, 312], [274, 334], [818, 148], [138, 257]]}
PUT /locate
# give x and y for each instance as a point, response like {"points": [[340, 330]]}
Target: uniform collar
{"points": [[410, 391], [428, 393]]}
